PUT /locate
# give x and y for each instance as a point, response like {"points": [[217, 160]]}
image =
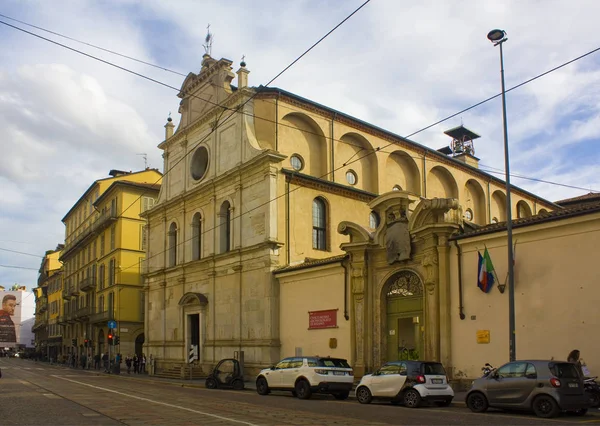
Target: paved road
{"points": [[38, 394]]}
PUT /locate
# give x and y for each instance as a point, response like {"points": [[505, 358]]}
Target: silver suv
{"points": [[304, 376], [544, 387]]}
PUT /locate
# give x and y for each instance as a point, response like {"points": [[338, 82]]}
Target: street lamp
{"points": [[498, 37]]}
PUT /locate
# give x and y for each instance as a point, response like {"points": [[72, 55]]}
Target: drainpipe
{"points": [[277, 122], [287, 219], [346, 284], [460, 290]]}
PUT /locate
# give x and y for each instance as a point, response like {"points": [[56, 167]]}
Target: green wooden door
{"points": [[404, 322]]}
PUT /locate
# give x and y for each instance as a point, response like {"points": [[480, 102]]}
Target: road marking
{"points": [[157, 402], [51, 396]]}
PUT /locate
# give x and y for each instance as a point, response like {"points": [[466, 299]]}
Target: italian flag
{"points": [[485, 278]]}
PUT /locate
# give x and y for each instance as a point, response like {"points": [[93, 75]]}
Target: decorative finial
{"points": [[208, 40], [169, 119], [243, 64]]}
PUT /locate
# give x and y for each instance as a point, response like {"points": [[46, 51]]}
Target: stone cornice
{"points": [[327, 186]]}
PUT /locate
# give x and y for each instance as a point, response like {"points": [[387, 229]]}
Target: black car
{"points": [[226, 374]]}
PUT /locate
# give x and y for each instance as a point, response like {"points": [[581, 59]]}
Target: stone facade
{"points": [[257, 181]]}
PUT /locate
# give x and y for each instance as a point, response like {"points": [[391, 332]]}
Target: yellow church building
{"points": [[284, 227]]}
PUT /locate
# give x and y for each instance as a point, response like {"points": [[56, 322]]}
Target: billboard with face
{"points": [[10, 318]]}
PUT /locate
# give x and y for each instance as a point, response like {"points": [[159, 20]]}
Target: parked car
{"points": [[304, 376], [226, 374], [544, 387], [407, 382]]}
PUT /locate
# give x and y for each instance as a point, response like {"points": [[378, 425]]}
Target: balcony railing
{"points": [[66, 294], [88, 283], [83, 313], [99, 224], [100, 317], [74, 290], [62, 319]]}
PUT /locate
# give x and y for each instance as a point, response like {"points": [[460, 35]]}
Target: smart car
{"points": [[407, 382], [544, 387]]}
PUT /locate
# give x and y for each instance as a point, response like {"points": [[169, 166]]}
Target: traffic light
{"points": [[86, 343], [110, 338], [74, 342], [117, 340]]}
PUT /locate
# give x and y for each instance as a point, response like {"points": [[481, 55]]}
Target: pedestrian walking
{"points": [[136, 363], [128, 362], [143, 364], [96, 361], [105, 361], [83, 360]]}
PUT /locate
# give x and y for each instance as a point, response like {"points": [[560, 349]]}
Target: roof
{"points": [[461, 132], [275, 90], [310, 263], [153, 187], [565, 213], [587, 198], [84, 195]]}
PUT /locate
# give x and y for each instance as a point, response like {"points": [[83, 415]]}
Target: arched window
{"points": [[196, 237], [225, 227], [319, 219], [172, 244], [373, 220]]}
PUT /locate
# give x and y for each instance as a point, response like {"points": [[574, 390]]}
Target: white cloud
{"points": [[68, 119]]}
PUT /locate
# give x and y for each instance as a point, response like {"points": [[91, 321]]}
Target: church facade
{"points": [[284, 227]]}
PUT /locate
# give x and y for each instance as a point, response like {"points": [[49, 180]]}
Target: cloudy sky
{"points": [[66, 120]]}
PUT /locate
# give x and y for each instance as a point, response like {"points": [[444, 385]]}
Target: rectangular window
{"points": [[94, 252], [143, 237], [102, 244], [113, 207], [111, 272], [113, 231], [147, 203], [101, 277]]}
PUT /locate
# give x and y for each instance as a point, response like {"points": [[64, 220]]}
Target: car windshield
{"points": [[564, 370], [433, 368], [333, 362]]}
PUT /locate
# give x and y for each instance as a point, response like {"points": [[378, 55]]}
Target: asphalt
{"points": [[249, 385]]}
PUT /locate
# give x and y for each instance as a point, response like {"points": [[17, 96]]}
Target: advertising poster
{"points": [[17, 308]]}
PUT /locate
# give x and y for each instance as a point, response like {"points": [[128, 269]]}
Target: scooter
{"points": [[487, 369], [592, 389]]}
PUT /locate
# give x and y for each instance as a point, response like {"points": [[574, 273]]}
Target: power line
{"points": [[94, 46], [542, 181], [18, 267], [21, 252]]}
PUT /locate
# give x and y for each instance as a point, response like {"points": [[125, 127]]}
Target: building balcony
{"points": [[74, 290], [66, 295], [105, 220], [100, 317], [82, 314], [70, 317], [92, 230], [88, 284], [62, 319]]}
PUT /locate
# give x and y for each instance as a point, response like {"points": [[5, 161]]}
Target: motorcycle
{"points": [[487, 369], [592, 389]]}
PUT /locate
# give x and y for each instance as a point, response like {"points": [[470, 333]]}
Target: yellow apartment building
{"points": [[105, 243], [48, 305], [285, 227]]}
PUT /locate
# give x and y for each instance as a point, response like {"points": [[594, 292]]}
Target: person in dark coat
{"points": [[8, 333]]}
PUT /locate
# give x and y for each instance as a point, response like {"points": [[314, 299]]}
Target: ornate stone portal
{"points": [[406, 256]]}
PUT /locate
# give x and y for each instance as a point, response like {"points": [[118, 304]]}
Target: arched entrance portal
{"points": [[404, 303], [139, 343]]}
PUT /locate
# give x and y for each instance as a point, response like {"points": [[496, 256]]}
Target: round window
{"points": [[199, 163], [351, 177], [296, 162], [396, 188], [469, 215]]}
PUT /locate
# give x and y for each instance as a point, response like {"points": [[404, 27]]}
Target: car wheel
{"points": [[445, 403], [262, 387], [412, 398], [545, 406], [341, 395], [303, 389], [594, 399], [363, 394], [211, 383], [238, 384], [477, 402]]}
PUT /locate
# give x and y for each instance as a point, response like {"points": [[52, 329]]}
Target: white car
{"points": [[407, 382], [304, 376]]}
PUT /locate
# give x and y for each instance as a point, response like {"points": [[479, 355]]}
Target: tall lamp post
{"points": [[498, 37]]}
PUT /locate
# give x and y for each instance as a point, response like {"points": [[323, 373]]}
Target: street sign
{"points": [[112, 324]]}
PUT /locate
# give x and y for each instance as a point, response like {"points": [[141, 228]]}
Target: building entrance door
{"points": [[404, 303]]}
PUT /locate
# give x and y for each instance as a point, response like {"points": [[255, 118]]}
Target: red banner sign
{"points": [[322, 319]]}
